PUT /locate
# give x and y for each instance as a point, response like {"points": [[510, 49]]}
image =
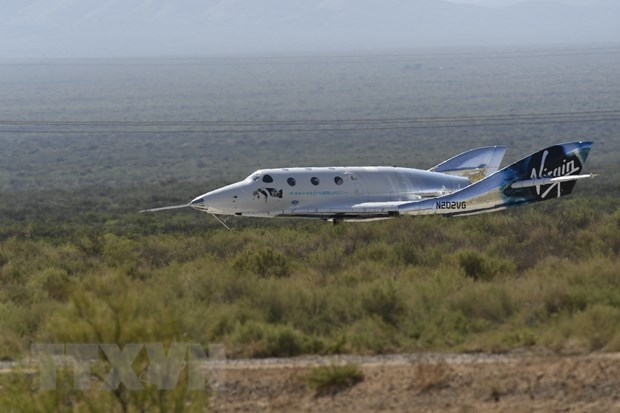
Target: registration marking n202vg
{"points": [[451, 205]]}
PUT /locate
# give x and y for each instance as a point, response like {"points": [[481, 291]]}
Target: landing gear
{"points": [[223, 222]]}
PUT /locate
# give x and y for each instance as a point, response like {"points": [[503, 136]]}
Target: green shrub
{"points": [[376, 251], [11, 346], [329, 380], [51, 283], [593, 329], [501, 339], [488, 302], [407, 253], [482, 267], [328, 261], [258, 339], [264, 263], [473, 264], [598, 325], [383, 300], [370, 334]]}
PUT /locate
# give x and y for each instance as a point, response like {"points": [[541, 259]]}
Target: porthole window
{"points": [[314, 180], [291, 181], [267, 179], [338, 180]]}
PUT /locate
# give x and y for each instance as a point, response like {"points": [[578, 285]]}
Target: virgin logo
{"points": [[568, 167]]}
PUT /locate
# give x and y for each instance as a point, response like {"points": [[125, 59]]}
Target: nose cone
{"points": [[206, 203], [219, 201], [198, 203]]}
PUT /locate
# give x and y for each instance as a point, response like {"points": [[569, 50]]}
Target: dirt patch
{"points": [[518, 382]]}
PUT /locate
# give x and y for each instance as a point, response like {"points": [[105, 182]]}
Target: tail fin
{"points": [[474, 164], [546, 174], [550, 173]]}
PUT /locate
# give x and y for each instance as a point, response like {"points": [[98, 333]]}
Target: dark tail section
{"points": [[550, 173], [546, 174]]}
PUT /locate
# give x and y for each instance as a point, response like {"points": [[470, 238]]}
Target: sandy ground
{"points": [[530, 381]]}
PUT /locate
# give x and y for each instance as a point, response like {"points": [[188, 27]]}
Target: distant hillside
{"points": [[160, 27]]}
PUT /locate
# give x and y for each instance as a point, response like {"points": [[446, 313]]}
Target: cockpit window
{"points": [[267, 179], [291, 181], [253, 177]]}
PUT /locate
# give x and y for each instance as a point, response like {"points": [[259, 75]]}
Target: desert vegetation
{"points": [[546, 275]]}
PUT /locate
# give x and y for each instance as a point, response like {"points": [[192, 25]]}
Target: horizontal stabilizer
{"points": [[548, 181]]}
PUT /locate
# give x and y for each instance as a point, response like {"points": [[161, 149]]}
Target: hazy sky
{"points": [[112, 28], [492, 3], [500, 3]]}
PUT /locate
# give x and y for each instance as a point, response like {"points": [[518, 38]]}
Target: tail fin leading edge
{"points": [[546, 174]]}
